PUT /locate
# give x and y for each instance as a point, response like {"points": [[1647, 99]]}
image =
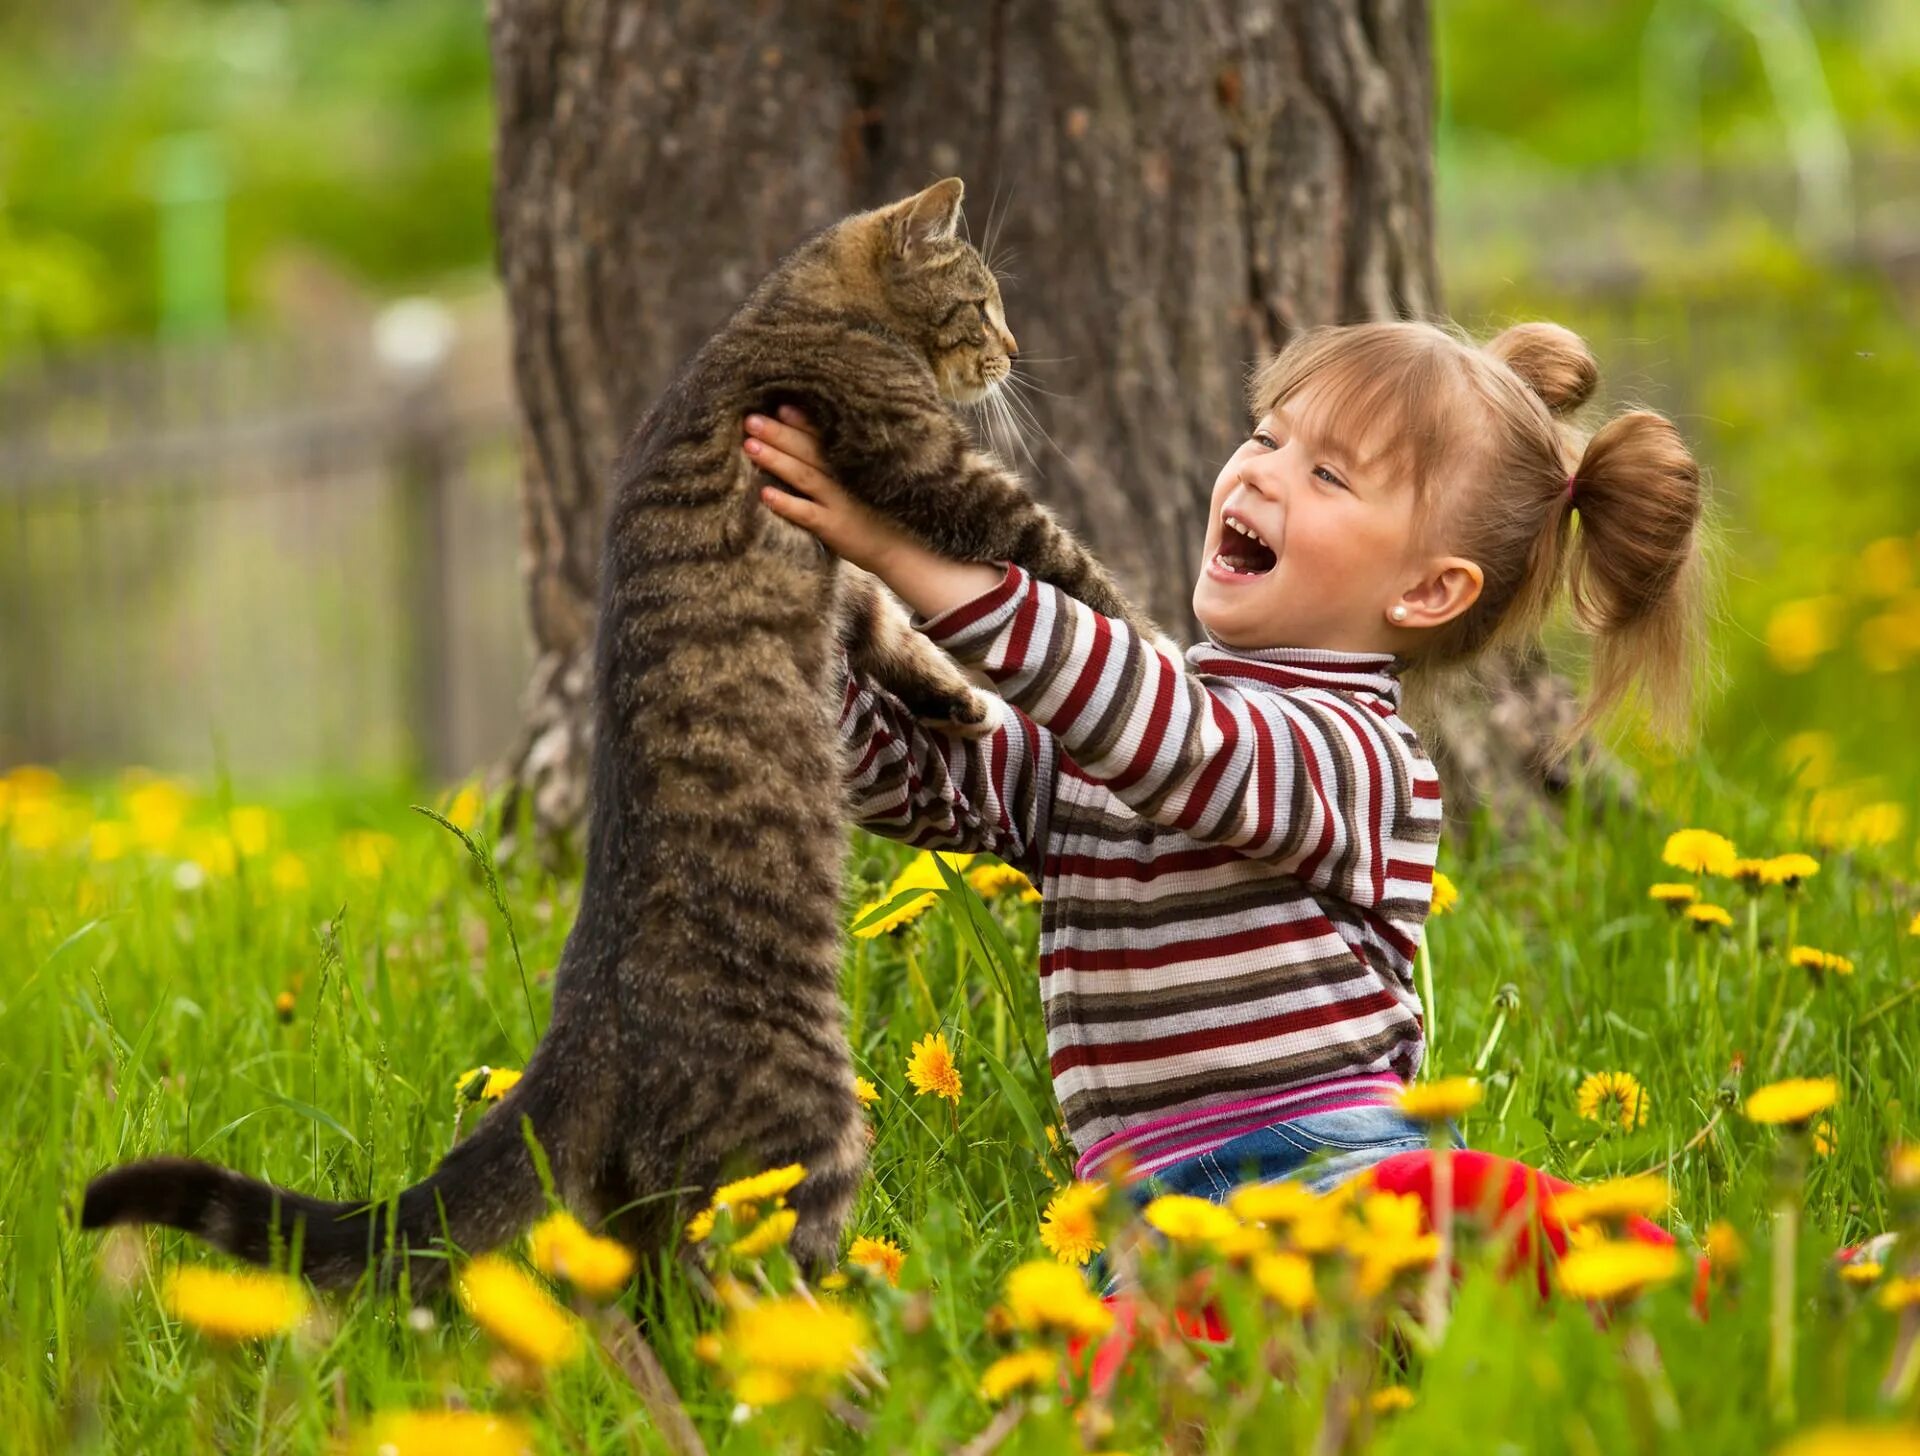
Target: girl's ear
{"points": [[927, 219], [1450, 585]]}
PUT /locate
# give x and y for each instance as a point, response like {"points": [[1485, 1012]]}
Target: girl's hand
{"points": [[789, 450]]}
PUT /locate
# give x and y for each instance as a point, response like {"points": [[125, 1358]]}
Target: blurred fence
{"points": [[265, 555]]}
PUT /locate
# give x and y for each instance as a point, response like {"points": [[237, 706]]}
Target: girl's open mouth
{"points": [[1242, 552]]}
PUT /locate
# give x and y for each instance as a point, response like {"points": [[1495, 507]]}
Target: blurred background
{"points": [[258, 460]]}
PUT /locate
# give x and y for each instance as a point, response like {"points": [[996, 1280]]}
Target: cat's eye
{"points": [[981, 304]]}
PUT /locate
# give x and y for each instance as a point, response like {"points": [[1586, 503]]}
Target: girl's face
{"points": [[1333, 548]]}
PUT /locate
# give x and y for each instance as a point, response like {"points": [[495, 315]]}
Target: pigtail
{"points": [[1635, 573]]}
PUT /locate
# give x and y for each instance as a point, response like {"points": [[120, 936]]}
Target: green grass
{"points": [[137, 1016]]}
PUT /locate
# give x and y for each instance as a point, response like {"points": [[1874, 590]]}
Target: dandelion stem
{"points": [[1429, 1006], [1786, 1241], [1440, 1276], [1493, 1040]]}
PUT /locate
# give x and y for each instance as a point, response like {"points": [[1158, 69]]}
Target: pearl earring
{"points": [[1399, 613]]}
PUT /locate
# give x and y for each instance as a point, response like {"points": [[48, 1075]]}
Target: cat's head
{"points": [[934, 288]]}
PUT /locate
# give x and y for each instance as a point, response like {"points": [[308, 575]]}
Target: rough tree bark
{"points": [[1175, 189]]}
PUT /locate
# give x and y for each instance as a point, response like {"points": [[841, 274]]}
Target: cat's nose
{"points": [[1013, 349]]}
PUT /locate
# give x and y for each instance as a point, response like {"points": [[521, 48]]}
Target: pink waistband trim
{"points": [[1150, 1146]]}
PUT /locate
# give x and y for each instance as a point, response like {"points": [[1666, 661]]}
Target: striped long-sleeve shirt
{"points": [[1235, 857]]}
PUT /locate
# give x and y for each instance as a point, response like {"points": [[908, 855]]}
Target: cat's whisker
{"points": [[1015, 403], [1021, 381]]}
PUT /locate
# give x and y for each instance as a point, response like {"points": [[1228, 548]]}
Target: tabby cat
{"points": [[697, 1028]]}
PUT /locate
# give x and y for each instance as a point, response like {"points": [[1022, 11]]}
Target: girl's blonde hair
{"points": [[1483, 433]]}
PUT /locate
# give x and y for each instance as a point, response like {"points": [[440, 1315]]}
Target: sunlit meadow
{"points": [[328, 991]]}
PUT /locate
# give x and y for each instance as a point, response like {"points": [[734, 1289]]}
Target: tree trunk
{"points": [[1175, 189]]}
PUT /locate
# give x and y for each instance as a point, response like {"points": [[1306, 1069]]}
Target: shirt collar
{"points": [[1376, 673]]}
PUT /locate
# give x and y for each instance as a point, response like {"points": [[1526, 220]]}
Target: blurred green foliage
{"points": [[358, 129]]}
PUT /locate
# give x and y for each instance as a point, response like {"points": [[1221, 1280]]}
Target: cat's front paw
{"points": [[964, 714]]}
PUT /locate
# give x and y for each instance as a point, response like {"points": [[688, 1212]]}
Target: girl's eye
{"points": [[1328, 476], [1263, 438]]}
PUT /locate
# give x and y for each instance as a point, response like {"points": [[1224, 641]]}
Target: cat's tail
{"points": [[483, 1193]]}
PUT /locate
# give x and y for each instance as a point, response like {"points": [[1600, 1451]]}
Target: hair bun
{"points": [[1553, 362]]}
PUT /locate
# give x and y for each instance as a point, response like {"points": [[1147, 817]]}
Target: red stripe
{"points": [[1095, 867], [1062, 721], [1155, 731], [1014, 658], [1427, 787], [1148, 958], [1406, 869], [997, 777], [1202, 792], [958, 619], [1369, 824], [1311, 863], [1266, 784], [1212, 1038], [1388, 932]]}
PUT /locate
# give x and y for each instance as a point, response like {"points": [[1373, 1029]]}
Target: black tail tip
{"points": [[136, 1192]]}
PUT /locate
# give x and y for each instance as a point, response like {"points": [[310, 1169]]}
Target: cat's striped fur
{"points": [[697, 1027]]}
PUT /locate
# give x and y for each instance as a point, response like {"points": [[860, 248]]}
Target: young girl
{"points": [[1236, 851]]}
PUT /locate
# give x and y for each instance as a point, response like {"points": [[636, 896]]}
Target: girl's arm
{"points": [[1314, 782], [907, 782]]}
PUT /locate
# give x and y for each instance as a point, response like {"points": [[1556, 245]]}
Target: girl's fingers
{"points": [[791, 414], [796, 441], [796, 508]]}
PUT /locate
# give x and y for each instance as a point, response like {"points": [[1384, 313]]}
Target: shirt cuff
{"points": [[947, 625]]}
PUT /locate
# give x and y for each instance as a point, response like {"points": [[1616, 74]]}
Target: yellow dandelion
{"points": [[1189, 1220], [563, 1248], [1800, 632], [1617, 1268], [232, 1305], [1823, 1139], [700, 1226], [1854, 1441], [1323, 1225], [109, 840], [1243, 1242], [288, 873], [1030, 896], [1042, 1294], [865, 1091], [997, 879], [519, 1314], [882, 1256], [1861, 1274], [1613, 1097], [463, 811], [1913, 925], [1017, 1371], [1904, 1166], [1749, 872], [1725, 1249], [1796, 1101], [1390, 1399], [1287, 1279], [1644, 1194], [921, 873], [1271, 1203], [485, 1084], [931, 1070], [366, 853], [1900, 1294], [1388, 1238], [1446, 894], [284, 1005], [1070, 1227], [1437, 1101], [772, 1232], [761, 1187], [1705, 917], [253, 829], [796, 1337], [1820, 962], [1789, 870], [1699, 851], [444, 1433], [210, 850], [1676, 897], [157, 809], [1873, 825]]}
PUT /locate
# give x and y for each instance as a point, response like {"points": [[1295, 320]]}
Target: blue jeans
{"points": [[1322, 1150]]}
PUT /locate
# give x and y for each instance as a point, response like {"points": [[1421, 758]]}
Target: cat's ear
{"points": [[927, 219]]}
